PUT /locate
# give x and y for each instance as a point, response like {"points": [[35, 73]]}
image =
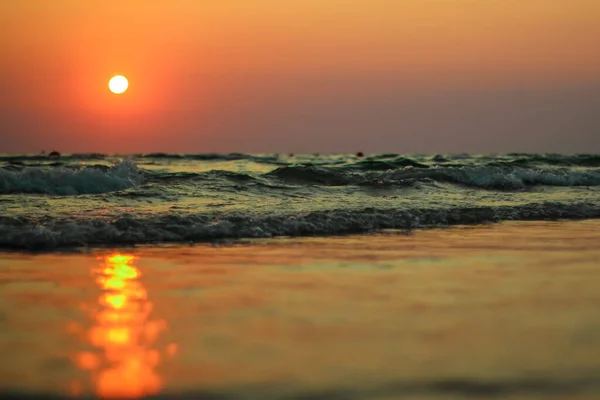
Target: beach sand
{"points": [[509, 310]]}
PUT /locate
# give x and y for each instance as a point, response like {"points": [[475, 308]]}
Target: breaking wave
{"points": [[206, 227], [65, 181], [491, 178], [480, 177]]}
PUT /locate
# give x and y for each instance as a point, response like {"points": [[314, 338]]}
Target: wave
{"points": [[582, 160], [205, 157], [387, 161], [16, 159], [480, 177], [312, 175], [65, 181], [382, 164], [75, 179], [266, 159], [489, 178], [21, 233]]}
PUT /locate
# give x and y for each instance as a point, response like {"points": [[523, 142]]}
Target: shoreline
{"points": [[211, 228], [259, 241]]}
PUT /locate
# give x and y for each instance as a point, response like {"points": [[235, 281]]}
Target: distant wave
{"points": [[206, 157], [582, 160], [16, 159], [266, 159], [64, 181], [372, 162], [490, 178], [481, 177], [59, 178], [381, 164], [21, 233]]}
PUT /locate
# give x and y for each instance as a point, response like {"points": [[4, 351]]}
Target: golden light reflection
{"points": [[124, 336]]}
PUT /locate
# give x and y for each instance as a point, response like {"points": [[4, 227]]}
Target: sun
{"points": [[118, 84]]}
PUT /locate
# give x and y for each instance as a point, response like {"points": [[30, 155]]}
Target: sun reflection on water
{"points": [[124, 335]]}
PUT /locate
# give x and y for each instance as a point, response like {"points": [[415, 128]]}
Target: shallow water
{"points": [[509, 310]]}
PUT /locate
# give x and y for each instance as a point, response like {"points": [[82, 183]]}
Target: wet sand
{"points": [[509, 310]]}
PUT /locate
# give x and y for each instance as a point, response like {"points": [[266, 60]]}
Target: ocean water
{"points": [[102, 293], [506, 311], [94, 199]]}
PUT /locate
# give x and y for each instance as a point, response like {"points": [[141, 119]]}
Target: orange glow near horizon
{"points": [[124, 334], [211, 72]]}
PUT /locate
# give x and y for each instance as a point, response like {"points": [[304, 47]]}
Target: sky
{"points": [[303, 76]]}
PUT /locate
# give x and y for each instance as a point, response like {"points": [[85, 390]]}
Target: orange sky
{"points": [[310, 75]]}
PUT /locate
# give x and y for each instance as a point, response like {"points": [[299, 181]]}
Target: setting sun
{"points": [[118, 84]]}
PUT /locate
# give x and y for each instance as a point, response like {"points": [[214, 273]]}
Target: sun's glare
{"points": [[118, 84], [125, 361]]}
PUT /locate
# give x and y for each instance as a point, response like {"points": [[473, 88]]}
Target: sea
{"points": [[96, 199], [300, 277]]}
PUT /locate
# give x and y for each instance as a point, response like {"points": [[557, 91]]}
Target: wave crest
{"points": [[64, 181], [494, 178], [207, 227]]}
